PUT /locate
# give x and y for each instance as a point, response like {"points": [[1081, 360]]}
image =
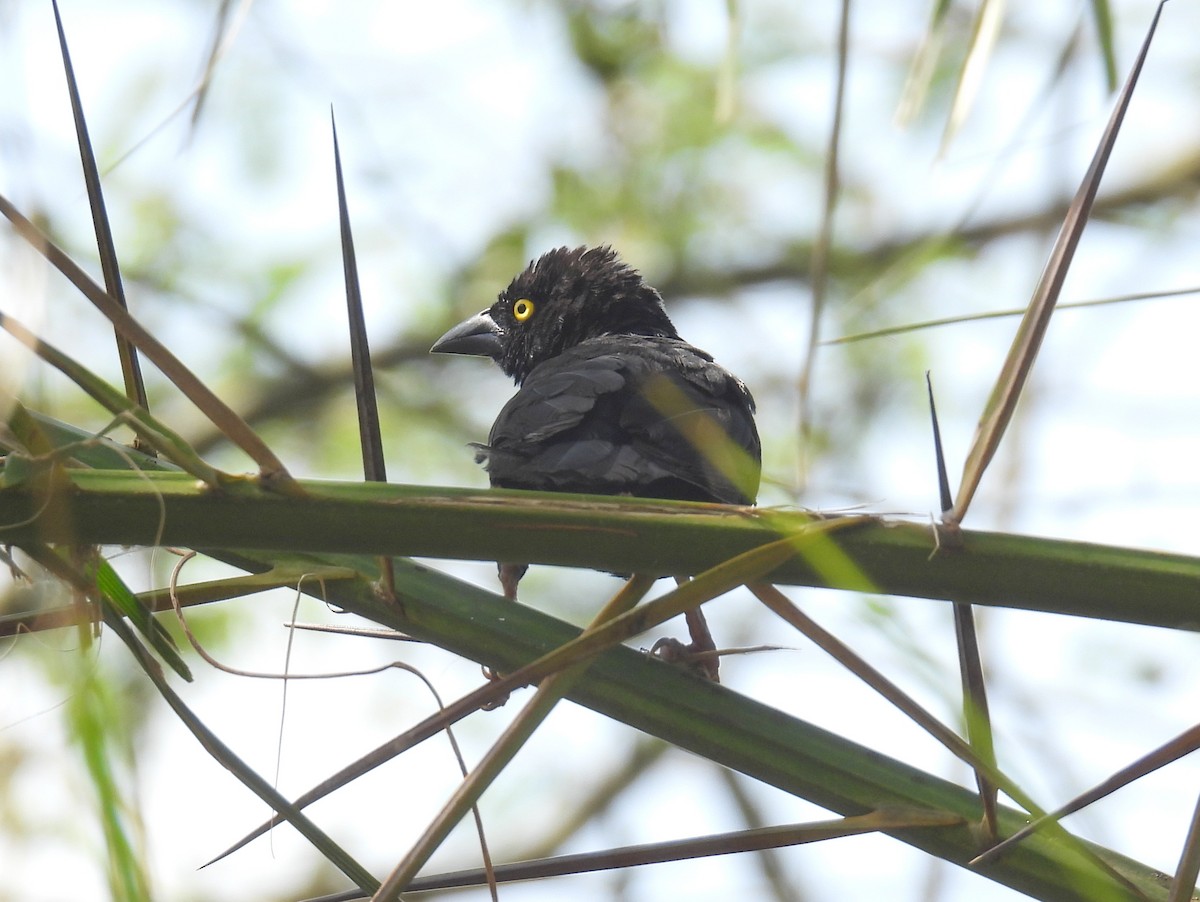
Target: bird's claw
{"points": [[510, 577], [494, 676], [701, 661]]}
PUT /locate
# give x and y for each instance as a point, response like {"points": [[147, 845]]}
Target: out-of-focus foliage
{"points": [[474, 136]]}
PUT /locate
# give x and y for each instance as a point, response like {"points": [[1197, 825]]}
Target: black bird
{"points": [[610, 399]]}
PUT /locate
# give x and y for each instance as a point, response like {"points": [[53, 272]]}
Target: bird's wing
{"points": [[626, 416], [562, 432], [698, 423]]}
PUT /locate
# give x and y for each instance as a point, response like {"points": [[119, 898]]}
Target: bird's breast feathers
{"points": [[637, 415]]}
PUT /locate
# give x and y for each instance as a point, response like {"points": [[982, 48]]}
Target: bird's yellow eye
{"points": [[522, 310]]}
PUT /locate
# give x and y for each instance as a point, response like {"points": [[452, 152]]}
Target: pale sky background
{"points": [[447, 114]]}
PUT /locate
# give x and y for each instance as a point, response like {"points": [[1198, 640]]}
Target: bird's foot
{"points": [[494, 676], [510, 577], [701, 661]]}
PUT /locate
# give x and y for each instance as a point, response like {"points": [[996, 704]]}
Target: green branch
{"points": [[620, 535]]}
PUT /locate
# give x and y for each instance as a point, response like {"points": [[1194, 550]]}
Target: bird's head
{"points": [[563, 298]]}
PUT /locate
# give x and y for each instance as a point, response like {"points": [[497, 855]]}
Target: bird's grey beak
{"points": [[479, 335]]}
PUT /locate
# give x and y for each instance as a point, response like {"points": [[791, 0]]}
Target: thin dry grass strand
{"points": [[753, 840], [272, 472], [223, 35], [722, 578], [200, 85], [360, 631], [165, 441], [827, 642], [1004, 314], [468, 704], [454, 747], [549, 692], [822, 248], [984, 33], [1002, 403], [225, 755], [1184, 744], [257, 674], [725, 105]]}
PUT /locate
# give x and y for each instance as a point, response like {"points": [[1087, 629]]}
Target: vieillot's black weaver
{"points": [[610, 399]]}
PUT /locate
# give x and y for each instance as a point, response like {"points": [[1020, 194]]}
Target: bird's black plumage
{"points": [[611, 400]]}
